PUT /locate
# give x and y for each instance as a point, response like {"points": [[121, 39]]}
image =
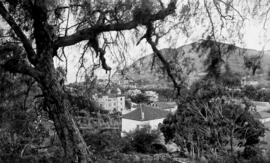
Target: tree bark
{"points": [[68, 132], [75, 148]]}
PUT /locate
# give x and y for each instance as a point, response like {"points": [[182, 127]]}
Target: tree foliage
{"points": [[140, 98], [210, 121], [143, 140], [22, 123]]}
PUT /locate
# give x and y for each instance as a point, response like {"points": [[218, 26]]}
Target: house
{"points": [[262, 116], [152, 95], [133, 92], [143, 115], [168, 106], [249, 81], [261, 106], [265, 117], [111, 101]]}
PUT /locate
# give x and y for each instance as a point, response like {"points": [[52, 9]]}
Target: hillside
{"points": [[189, 60]]}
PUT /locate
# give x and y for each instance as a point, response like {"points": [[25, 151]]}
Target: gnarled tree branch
{"points": [[148, 37], [84, 34], [100, 52]]}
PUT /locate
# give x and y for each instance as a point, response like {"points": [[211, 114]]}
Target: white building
{"points": [[143, 115], [249, 81], [265, 117], [152, 95], [261, 106], [262, 116], [262, 111], [112, 102], [134, 92]]}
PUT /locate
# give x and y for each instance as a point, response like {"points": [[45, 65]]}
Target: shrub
{"points": [[145, 140], [105, 144]]}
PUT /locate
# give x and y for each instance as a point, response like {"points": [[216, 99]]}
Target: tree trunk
{"points": [[75, 148], [68, 132]]}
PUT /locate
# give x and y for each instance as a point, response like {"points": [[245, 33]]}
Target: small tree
{"points": [[142, 139], [208, 120], [140, 98]]}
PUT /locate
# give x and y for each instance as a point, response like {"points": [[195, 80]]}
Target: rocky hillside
{"points": [[189, 61]]}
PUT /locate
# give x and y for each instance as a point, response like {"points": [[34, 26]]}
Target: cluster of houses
{"points": [[137, 115], [154, 112]]}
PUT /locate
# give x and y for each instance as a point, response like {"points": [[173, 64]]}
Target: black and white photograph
{"points": [[134, 81]]}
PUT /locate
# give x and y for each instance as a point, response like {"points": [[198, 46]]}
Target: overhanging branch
{"points": [[84, 34], [148, 37], [100, 52]]}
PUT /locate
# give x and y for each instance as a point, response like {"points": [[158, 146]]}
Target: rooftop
{"points": [[110, 95], [146, 113], [261, 115], [165, 105], [264, 115]]}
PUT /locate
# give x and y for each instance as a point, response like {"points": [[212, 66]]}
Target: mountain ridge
{"points": [[190, 60]]}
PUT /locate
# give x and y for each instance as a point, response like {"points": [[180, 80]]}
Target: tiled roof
{"points": [[264, 115], [165, 105], [110, 95], [261, 115], [146, 113]]}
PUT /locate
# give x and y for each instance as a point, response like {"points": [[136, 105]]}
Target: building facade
{"points": [[112, 103]]}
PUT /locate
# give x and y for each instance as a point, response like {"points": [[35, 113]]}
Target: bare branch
{"points": [[161, 58], [210, 19], [242, 17]]}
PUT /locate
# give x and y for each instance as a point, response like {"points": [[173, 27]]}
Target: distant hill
{"points": [[189, 60]]}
